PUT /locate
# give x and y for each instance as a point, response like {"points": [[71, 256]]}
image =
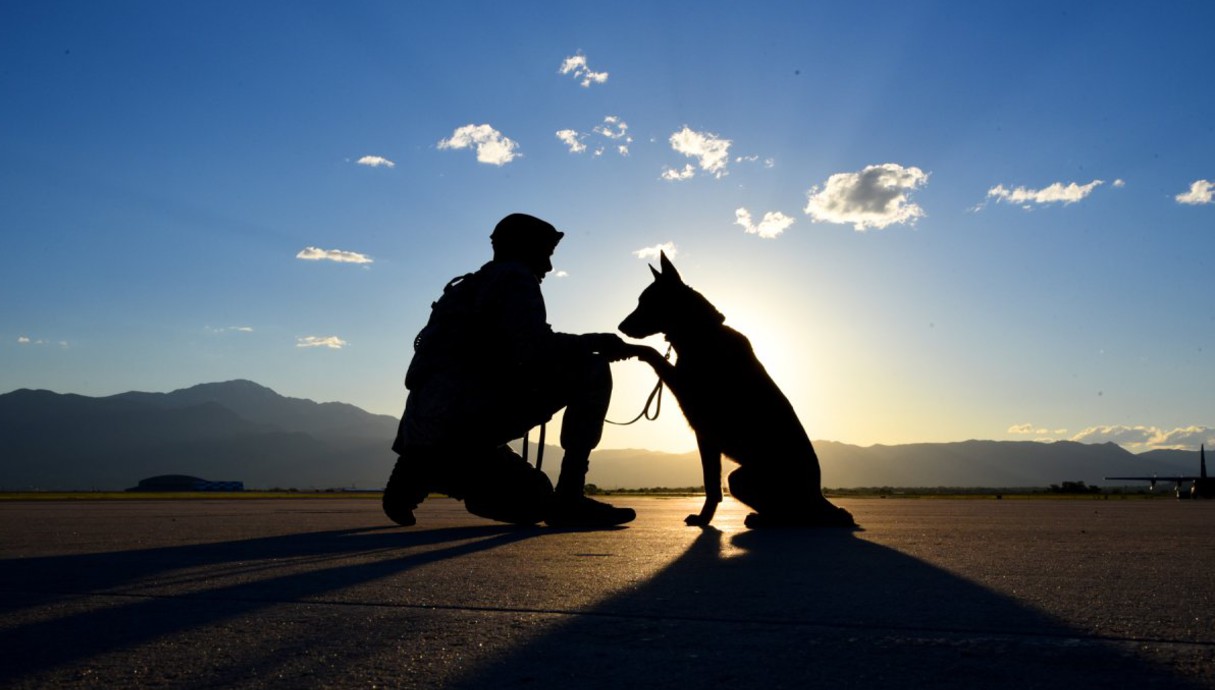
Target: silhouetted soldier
{"points": [[487, 368]]}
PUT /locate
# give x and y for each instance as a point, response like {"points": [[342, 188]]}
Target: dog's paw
{"points": [[696, 520]]}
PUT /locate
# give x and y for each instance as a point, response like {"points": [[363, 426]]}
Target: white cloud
{"points": [[772, 225], [492, 147], [653, 252], [332, 342], [1184, 437], [338, 255], [613, 129], [711, 152], [1122, 435], [571, 139], [1136, 439], [616, 129], [230, 329], [1141, 438], [875, 197], [1119, 183], [576, 65], [1201, 192], [376, 162], [674, 175], [1035, 430], [1057, 192], [26, 340], [561, 274], [767, 163]]}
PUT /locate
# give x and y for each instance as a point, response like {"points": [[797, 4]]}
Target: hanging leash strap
{"points": [[539, 448], [654, 399]]}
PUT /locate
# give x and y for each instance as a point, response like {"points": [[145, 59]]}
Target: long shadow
{"points": [[48, 644], [814, 609]]}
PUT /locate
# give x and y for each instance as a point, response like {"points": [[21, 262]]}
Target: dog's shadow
{"points": [[812, 608]]}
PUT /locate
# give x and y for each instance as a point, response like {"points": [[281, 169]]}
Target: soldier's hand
{"points": [[610, 346]]}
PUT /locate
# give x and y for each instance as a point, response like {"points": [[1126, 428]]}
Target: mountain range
{"points": [[236, 430], [242, 431]]}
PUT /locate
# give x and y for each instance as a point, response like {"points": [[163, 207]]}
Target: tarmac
{"points": [[325, 592]]}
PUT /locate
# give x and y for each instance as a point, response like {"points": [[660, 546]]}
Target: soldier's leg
{"points": [[504, 487], [588, 394], [590, 391], [580, 382]]}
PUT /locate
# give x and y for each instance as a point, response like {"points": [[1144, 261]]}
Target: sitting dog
{"points": [[733, 407]]}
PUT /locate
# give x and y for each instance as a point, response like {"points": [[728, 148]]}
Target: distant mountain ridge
{"points": [[261, 405], [957, 464], [242, 431], [235, 430]]}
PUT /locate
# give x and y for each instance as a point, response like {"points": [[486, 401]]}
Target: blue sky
{"points": [[936, 221]]}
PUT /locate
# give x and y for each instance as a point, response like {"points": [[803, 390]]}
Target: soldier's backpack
{"points": [[456, 330]]}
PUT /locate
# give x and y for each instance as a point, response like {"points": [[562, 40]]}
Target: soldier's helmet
{"points": [[521, 234]]}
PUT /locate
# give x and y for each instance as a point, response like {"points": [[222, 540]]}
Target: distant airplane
{"points": [[1201, 486]]}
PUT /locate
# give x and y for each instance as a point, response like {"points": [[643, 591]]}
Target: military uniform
{"points": [[487, 368]]}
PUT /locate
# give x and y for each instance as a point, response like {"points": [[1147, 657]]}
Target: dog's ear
{"points": [[657, 275], [668, 268]]}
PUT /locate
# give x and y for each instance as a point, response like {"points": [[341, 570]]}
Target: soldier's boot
{"points": [[407, 487]]}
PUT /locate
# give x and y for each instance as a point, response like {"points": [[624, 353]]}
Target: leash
{"points": [[654, 398], [540, 444]]}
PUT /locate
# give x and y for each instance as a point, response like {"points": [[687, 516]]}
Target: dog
{"points": [[734, 408]]}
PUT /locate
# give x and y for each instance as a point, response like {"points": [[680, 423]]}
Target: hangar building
{"points": [[182, 482]]}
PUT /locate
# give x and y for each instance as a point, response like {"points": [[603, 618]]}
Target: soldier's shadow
{"points": [[255, 575], [805, 608]]}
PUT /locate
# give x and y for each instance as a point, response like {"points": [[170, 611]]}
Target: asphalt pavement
{"points": [[325, 592]]}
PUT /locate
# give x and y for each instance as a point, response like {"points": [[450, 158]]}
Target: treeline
{"points": [[593, 490], [1067, 487]]}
